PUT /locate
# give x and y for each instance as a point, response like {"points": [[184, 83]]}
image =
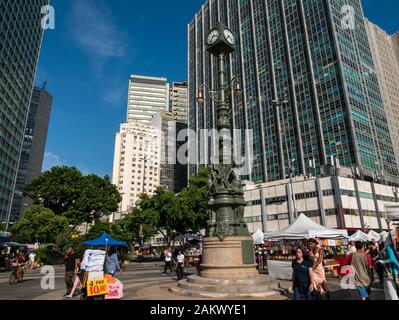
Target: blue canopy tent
{"points": [[104, 240]]}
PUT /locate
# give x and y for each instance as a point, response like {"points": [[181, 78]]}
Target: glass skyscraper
{"points": [[20, 40], [31, 161], [315, 55]]}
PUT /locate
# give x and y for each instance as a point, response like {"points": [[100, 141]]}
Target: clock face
{"points": [[229, 37], [212, 37]]}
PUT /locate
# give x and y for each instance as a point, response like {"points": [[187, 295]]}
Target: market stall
{"points": [[281, 245], [393, 223], [359, 236], [374, 236], [95, 283], [192, 247]]}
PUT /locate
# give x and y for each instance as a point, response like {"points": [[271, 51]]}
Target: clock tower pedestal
{"points": [[226, 273], [228, 265]]}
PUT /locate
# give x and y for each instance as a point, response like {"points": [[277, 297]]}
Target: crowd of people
{"points": [[365, 260]]}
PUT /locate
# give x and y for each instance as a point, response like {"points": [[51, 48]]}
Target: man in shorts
{"points": [[362, 266]]}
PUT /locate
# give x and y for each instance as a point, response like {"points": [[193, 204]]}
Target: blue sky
{"points": [[96, 46]]}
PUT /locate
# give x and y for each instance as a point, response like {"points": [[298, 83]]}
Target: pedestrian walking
{"points": [[260, 257], [361, 264], [319, 285], [20, 261], [302, 276], [71, 261], [32, 258], [168, 261], [391, 269], [374, 255], [179, 265], [379, 267], [112, 262]]}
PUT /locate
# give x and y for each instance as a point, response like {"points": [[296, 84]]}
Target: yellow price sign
{"points": [[97, 287]]}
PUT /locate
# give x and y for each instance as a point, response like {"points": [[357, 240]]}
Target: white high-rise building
{"points": [[136, 163], [146, 97], [179, 101], [384, 49]]}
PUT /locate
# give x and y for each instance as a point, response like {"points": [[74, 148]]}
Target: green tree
{"points": [[39, 224], [172, 214], [97, 229], [67, 192], [162, 212], [201, 179], [196, 197], [128, 228], [98, 198]]}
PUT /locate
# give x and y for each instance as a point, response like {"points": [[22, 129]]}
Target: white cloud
{"points": [[52, 160], [115, 95], [95, 31]]}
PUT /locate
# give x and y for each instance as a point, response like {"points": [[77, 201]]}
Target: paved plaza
{"points": [[142, 281]]}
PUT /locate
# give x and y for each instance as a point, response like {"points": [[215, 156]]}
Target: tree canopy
{"points": [[69, 193], [39, 224], [97, 229], [172, 214], [128, 229]]}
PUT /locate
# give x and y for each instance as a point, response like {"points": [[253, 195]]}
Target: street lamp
{"points": [[235, 86]]}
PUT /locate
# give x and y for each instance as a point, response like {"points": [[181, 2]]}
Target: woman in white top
{"points": [[179, 265], [168, 261], [32, 258]]}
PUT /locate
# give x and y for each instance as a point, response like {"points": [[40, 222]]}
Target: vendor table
{"points": [[280, 269]]}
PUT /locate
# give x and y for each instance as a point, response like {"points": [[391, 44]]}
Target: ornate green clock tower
{"points": [[226, 209], [228, 264]]}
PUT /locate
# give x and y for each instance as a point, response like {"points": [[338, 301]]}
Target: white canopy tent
{"points": [[359, 236], [258, 237], [305, 228], [373, 236]]}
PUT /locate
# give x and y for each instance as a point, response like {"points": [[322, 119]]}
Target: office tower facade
{"points": [[311, 54], [386, 62], [136, 167], [31, 161], [173, 171], [363, 203], [146, 97], [395, 44], [20, 41], [179, 101]]}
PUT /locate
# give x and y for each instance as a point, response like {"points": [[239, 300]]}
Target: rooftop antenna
{"points": [[44, 84]]}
